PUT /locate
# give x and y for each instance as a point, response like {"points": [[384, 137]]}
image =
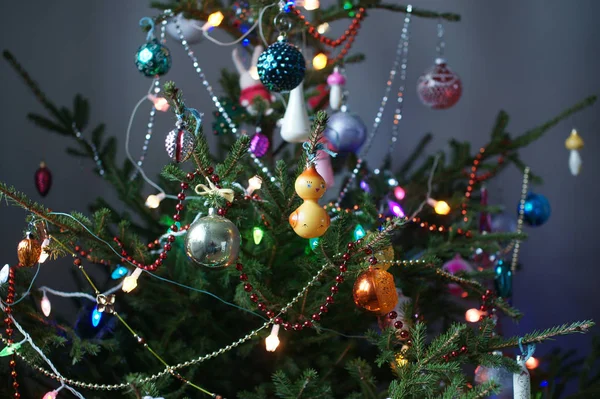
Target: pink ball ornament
{"points": [[439, 87], [453, 266], [259, 144]]}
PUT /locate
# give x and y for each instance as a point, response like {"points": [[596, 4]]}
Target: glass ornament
{"points": [[43, 179], [503, 279], [213, 241], [259, 144], [537, 209], [29, 251], [439, 87], [374, 290], [180, 144], [346, 132], [310, 220], [281, 67], [153, 58]]}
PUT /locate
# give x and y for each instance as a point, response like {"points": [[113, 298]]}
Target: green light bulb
{"points": [[257, 234], [10, 349]]}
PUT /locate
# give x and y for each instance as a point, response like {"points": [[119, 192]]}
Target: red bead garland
{"points": [[10, 298], [347, 35]]}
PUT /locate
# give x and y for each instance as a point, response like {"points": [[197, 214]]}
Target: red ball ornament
{"points": [[43, 179], [439, 87]]}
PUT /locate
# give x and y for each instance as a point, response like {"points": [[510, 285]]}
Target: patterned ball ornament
{"points": [[153, 58], [374, 290], [213, 241], [281, 66], [259, 144], [537, 209], [346, 132], [439, 87], [180, 144]]}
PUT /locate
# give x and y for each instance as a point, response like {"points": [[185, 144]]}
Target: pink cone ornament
{"points": [[324, 168], [43, 179], [453, 266]]}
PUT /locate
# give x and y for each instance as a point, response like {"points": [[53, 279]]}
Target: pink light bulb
{"points": [[160, 103], [399, 193], [50, 395]]}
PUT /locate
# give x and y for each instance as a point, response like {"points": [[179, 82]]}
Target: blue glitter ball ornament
{"points": [[346, 132], [152, 58], [537, 209], [281, 66]]}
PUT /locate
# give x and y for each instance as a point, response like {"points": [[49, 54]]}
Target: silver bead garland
{"points": [[517, 243]]}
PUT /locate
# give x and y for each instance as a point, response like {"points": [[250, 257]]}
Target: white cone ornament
{"points": [[521, 381], [295, 125], [574, 143], [250, 85], [324, 168], [190, 29], [336, 81]]}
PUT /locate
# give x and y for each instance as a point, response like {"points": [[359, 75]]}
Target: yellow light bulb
{"points": [[130, 282], [440, 207], [153, 201], [320, 61], [254, 72], [324, 27], [472, 315], [215, 18], [272, 341], [310, 5]]}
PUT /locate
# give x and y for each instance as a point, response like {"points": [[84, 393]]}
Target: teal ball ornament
{"points": [[153, 59], [536, 210], [281, 66]]}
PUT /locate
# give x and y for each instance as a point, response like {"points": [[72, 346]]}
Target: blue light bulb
{"points": [[120, 271], [359, 232], [314, 243], [96, 317]]}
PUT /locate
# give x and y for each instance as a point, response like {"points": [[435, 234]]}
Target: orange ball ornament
{"points": [[29, 251], [310, 220], [375, 291]]}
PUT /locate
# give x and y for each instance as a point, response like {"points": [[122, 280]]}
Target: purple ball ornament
{"points": [[259, 144], [346, 132], [453, 266]]}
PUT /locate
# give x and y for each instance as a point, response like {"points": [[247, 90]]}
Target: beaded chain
{"points": [[517, 243], [10, 298], [400, 64], [347, 35]]}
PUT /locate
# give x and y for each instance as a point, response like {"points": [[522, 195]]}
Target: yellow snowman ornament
{"points": [[310, 220]]}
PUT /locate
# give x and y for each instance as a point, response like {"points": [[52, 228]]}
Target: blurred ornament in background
{"points": [[295, 125], [439, 87], [503, 222], [574, 143], [453, 266], [29, 251], [180, 144], [482, 259], [213, 241], [259, 143], [336, 82], [322, 91], [503, 279], [502, 377], [374, 290], [281, 66], [242, 13], [536, 210], [43, 179], [485, 219], [190, 29], [346, 132], [251, 90], [323, 166], [153, 58]]}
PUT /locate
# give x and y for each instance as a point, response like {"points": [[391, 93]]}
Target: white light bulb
{"points": [[324, 27], [310, 5], [130, 282], [50, 395], [153, 201], [46, 305], [4, 274], [472, 315], [44, 255], [254, 183], [272, 341]]}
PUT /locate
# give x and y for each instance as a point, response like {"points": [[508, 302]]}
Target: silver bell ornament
{"points": [[213, 241]]}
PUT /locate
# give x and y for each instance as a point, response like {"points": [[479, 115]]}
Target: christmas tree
{"points": [[231, 280]]}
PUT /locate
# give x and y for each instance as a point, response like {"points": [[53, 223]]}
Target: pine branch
{"points": [[498, 343]]}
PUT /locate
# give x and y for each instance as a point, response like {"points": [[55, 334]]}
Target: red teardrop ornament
{"points": [[43, 179]]}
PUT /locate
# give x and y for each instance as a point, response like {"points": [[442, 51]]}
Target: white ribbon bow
{"points": [[202, 189]]}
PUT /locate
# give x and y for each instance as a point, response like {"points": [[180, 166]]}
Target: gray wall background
{"points": [[532, 58]]}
